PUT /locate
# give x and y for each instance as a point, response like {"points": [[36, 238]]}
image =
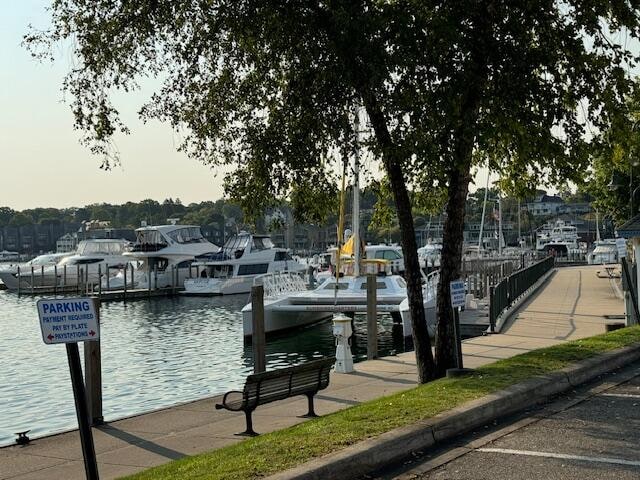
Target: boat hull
{"points": [[276, 320], [217, 286]]}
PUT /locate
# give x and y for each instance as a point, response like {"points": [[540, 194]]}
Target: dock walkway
{"points": [[574, 303]]}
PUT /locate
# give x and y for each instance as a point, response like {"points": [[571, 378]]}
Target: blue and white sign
{"points": [[621, 245], [68, 320], [458, 293]]}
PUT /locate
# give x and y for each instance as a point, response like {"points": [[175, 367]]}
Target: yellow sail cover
{"points": [[347, 248]]}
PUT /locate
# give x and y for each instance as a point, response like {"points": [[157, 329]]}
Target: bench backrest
{"points": [[287, 382]]}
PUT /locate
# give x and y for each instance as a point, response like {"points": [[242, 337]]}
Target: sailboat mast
{"points": [[484, 212], [356, 196], [499, 225]]}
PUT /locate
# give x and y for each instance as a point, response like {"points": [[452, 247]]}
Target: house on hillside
{"points": [[545, 205]]}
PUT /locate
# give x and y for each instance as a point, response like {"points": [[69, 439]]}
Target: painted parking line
{"points": [[620, 395], [563, 456]]}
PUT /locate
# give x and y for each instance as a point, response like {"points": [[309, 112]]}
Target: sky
{"points": [[42, 163]]}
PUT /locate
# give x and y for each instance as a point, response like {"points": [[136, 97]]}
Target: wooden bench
{"points": [[260, 388]]}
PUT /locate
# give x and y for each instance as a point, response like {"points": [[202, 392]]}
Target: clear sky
{"points": [[41, 160]]}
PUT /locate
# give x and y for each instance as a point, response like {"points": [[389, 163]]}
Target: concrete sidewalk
{"points": [[571, 305]]}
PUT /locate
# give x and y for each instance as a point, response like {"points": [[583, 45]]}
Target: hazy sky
{"points": [[41, 160]]}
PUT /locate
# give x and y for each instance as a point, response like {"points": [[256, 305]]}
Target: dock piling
{"points": [[258, 340], [372, 318], [93, 374]]}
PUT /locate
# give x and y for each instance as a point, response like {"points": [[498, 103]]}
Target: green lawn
{"points": [[277, 451]]}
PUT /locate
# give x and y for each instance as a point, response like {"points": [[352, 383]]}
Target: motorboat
{"points": [[7, 256], [9, 272], [162, 256], [232, 269], [559, 236], [289, 304], [92, 259], [605, 251], [429, 255], [390, 254]]}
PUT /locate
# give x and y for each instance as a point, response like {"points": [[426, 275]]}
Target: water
{"points": [[155, 353]]}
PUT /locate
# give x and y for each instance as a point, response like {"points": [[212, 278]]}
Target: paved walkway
{"points": [[571, 305]]}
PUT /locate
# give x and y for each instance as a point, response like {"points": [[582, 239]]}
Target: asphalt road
{"points": [[592, 433]]}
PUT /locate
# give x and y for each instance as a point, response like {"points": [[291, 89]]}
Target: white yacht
{"points": [[557, 237], [288, 304], [9, 272], [163, 255], [232, 269], [7, 256], [389, 254], [429, 255], [93, 258], [605, 251]]}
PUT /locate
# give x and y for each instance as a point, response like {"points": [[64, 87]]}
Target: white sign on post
{"points": [[458, 293], [68, 320], [621, 245]]}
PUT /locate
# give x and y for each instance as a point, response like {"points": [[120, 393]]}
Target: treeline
{"points": [[128, 215]]}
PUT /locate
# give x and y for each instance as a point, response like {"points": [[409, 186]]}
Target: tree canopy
{"points": [[270, 88]]}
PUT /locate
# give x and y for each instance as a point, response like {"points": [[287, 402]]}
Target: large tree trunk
{"points": [[450, 260], [459, 176], [393, 166]]}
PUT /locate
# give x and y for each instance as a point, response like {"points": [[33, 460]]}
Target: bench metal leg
{"points": [[311, 413], [249, 431]]}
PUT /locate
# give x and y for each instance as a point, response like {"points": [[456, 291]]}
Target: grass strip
{"points": [[284, 449]]}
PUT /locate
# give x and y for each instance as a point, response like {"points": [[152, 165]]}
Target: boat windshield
{"points": [[235, 246], [187, 235], [149, 241], [102, 248], [261, 243]]}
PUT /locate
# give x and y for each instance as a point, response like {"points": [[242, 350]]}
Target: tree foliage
{"points": [[270, 88]]}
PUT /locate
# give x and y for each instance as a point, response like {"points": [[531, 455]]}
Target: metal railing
{"points": [[504, 294]]}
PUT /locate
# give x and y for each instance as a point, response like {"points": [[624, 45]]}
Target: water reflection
{"points": [[156, 353]]}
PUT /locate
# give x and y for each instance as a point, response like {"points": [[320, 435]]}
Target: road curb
{"points": [[374, 453]]}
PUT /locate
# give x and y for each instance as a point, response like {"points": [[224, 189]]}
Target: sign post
{"points": [[69, 321], [458, 294]]}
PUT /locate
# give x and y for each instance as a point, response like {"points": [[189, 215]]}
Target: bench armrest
{"points": [[224, 401]]}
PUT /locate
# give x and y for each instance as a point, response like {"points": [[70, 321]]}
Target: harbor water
{"points": [[156, 353]]}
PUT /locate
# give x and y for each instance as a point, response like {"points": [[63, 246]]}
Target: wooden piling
{"points": [[100, 280], [372, 318], [93, 374], [124, 290], [258, 340], [155, 277]]}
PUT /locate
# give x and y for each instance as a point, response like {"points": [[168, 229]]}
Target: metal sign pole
{"points": [[68, 321], [82, 412], [456, 328]]}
